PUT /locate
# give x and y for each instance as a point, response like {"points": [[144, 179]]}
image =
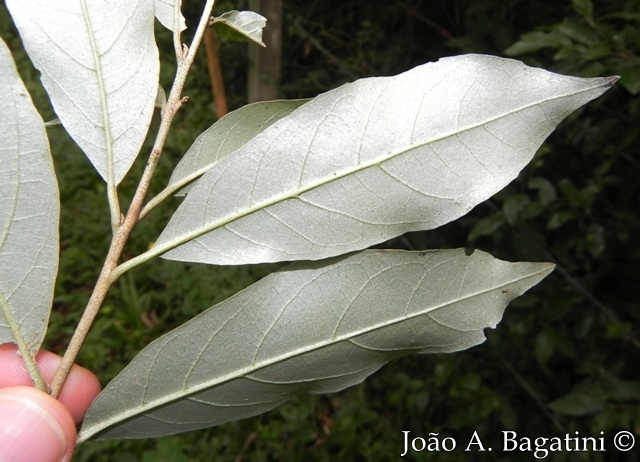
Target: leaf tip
{"points": [[610, 81], [546, 268]]}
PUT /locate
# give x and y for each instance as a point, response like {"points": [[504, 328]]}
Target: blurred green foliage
{"points": [[564, 359]]}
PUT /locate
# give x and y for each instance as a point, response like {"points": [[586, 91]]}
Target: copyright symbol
{"points": [[624, 441]]}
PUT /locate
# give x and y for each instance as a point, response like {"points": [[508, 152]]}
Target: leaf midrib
{"points": [[104, 107]]}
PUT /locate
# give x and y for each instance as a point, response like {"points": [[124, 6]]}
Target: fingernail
{"points": [[28, 432]]}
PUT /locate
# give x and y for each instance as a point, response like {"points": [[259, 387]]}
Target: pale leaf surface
{"points": [[372, 160], [165, 12], [314, 327], [240, 26], [225, 136], [29, 211], [100, 67]]}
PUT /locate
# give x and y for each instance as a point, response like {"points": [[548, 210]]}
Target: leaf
{"points": [[546, 191], [29, 211], [314, 327], [580, 402], [165, 10], [372, 160], [535, 41], [231, 132], [630, 79], [583, 7], [161, 98], [100, 67], [240, 26]]}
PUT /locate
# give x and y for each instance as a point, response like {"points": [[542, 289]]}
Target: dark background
{"points": [[565, 357]]}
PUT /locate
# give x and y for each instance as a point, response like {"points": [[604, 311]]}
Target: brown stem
{"points": [[215, 75]]}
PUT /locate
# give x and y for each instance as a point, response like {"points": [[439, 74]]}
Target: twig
{"points": [[437, 28], [528, 389], [107, 278], [349, 69]]}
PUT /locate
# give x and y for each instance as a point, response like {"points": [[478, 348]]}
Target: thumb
{"points": [[34, 427]]}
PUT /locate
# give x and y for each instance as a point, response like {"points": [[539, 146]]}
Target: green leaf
{"points": [[372, 160], [228, 134], [558, 219], [100, 67], [619, 390], [535, 41], [486, 226], [626, 15], [630, 79], [586, 399], [29, 213], [514, 207], [546, 191], [314, 327], [583, 7], [597, 51], [240, 26], [578, 32]]}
